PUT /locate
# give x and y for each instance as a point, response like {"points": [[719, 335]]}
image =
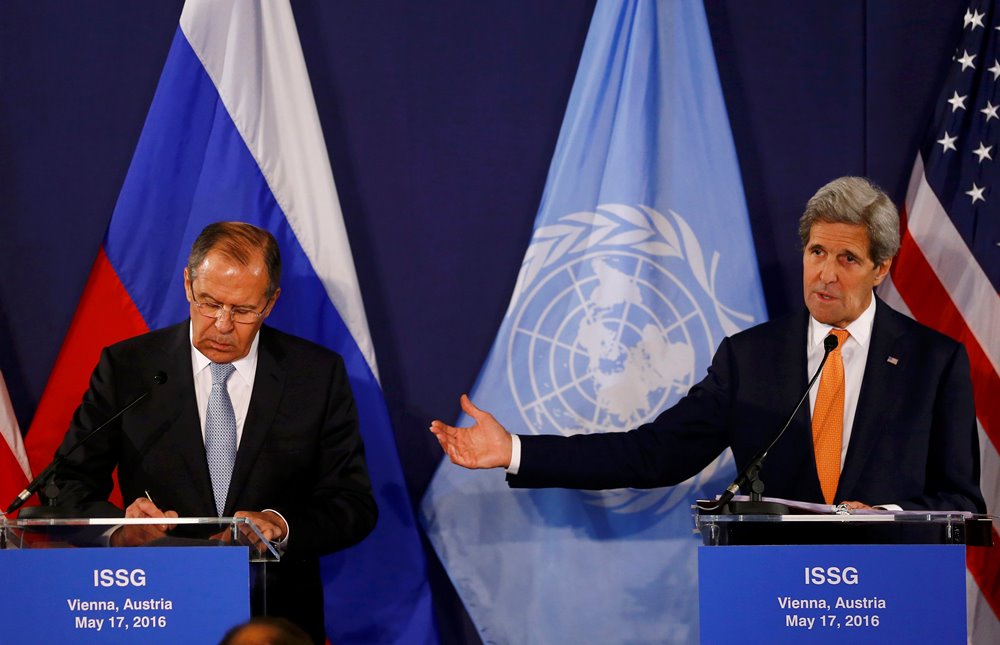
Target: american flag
{"points": [[947, 273]]}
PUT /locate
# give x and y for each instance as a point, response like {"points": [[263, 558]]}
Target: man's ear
{"points": [[274, 301], [881, 271]]}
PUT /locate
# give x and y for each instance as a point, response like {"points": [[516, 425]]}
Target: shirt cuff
{"points": [[288, 530], [515, 455]]}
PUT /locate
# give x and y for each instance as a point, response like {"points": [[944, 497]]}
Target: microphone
{"points": [[749, 474], [38, 482]]}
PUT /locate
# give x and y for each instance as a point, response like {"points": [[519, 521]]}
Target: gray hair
{"points": [[855, 200], [239, 242]]}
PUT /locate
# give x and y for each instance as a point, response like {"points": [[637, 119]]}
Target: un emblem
{"points": [[614, 319]]}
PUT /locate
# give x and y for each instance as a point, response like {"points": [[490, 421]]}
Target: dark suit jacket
{"points": [[300, 452], [914, 441]]}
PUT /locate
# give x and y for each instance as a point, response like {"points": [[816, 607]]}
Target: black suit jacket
{"points": [[300, 452], [914, 441]]}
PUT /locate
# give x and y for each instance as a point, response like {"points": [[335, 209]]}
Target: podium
{"points": [[880, 578], [191, 583]]}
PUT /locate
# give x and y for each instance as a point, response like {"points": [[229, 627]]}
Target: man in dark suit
{"points": [[250, 423], [892, 425]]}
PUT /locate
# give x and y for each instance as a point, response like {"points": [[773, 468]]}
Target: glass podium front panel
{"points": [[146, 532]]}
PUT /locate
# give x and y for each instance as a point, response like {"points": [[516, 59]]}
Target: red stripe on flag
{"points": [[932, 305], [105, 315], [984, 564]]}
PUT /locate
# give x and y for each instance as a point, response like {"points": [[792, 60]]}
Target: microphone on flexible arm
{"points": [[749, 475], [38, 482]]}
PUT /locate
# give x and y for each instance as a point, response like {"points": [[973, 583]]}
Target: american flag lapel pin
{"points": [[892, 360]]}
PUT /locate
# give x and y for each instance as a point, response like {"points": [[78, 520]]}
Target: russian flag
{"points": [[233, 134]]}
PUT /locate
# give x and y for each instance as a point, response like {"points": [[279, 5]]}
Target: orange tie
{"points": [[828, 419]]}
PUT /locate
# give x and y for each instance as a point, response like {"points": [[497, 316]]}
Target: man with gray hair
{"points": [[892, 423]]}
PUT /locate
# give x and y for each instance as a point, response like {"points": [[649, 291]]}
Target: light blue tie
{"points": [[220, 434]]}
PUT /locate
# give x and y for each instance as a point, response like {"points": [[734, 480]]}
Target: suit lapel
{"points": [[876, 388], [268, 387], [792, 357]]}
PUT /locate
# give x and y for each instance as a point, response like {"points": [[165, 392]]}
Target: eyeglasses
{"points": [[242, 315]]}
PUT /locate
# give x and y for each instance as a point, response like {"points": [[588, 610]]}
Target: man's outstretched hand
{"points": [[484, 444]]}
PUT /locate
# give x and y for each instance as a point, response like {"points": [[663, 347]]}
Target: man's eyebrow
{"points": [[202, 295], [206, 296], [850, 251]]}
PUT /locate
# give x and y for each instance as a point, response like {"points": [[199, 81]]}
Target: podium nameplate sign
{"points": [[904, 593], [123, 595]]}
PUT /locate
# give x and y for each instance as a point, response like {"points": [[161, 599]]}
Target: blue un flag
{"points": [[640, 263]]}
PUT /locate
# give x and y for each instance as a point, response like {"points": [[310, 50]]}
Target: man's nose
{"points": [[828, 271], [224, 321]]}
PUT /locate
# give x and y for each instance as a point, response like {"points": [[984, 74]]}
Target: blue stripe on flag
{"points": [[192, 167]]}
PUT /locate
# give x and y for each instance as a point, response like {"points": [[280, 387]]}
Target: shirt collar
{"points": [[860, 329], [245, 366]]}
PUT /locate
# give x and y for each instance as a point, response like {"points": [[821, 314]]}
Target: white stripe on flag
{"points": [[10, 430], [283, 134], [887, 291], [990, 479], [984, 628]]}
